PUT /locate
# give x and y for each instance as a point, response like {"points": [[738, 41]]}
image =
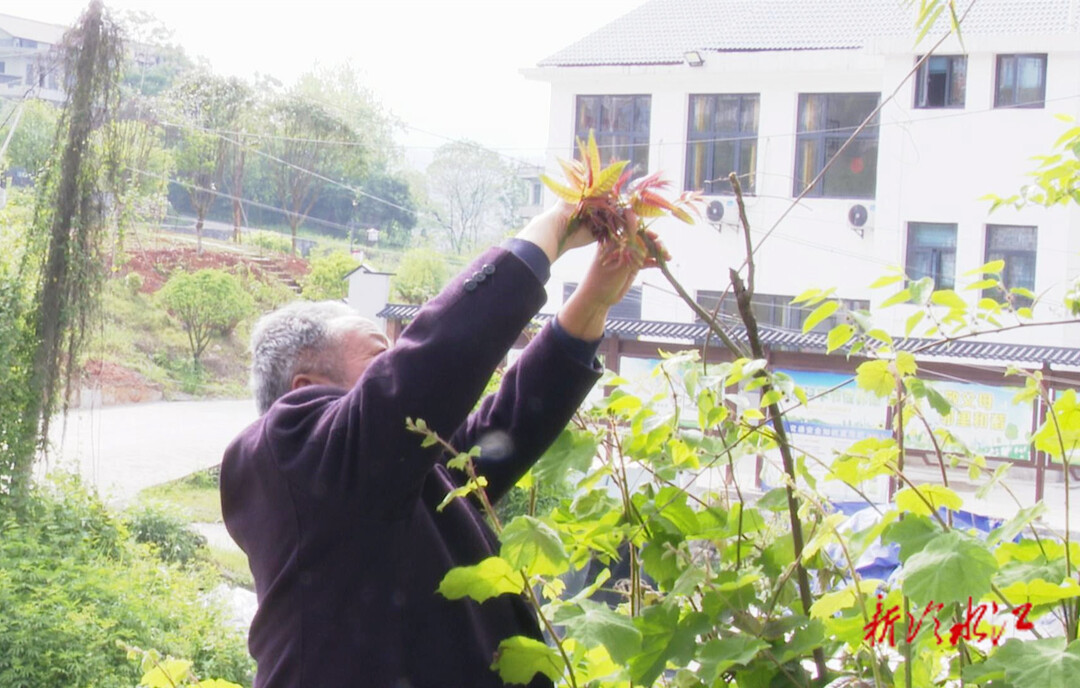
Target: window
{"points": [[826, 120], [1021, 81], [940, 82], [721, 139], [1016, 246], [774, 310], [931, 252], [621, 127], [629, 308]]}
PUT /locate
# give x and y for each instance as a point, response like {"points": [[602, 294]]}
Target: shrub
{"points": [[133, 281], [326, 278], [420, 276], [167, 534], [270, 241], [73, 583], [206, 303]]}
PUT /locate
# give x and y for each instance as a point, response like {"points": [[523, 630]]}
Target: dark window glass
{"points": [[773, 310], [628, 309], [620, 125], [1016, 246], [721, 138], [931, 252], [941, 82], [826, 120], [1021, 81]]}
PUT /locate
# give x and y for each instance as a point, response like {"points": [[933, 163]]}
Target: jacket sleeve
{"points": [[359, 445], [515, 425]]}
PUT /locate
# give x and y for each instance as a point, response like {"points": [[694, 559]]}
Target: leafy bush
{"points": [[167, 534], [73, 583], [206, 302], [326, 278], [421, 275], [270, 241], [133, 281]]}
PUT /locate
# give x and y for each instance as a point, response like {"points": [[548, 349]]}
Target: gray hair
{"points": [[302, 337]]}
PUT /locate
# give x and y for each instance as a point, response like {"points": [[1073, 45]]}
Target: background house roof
{"points": [[32, 30], [660, 31]]}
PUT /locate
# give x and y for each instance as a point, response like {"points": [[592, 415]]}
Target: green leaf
{"points": [[911, 533], [902, 296], [909, 500], [905, 363], [529, 543], [519, 658], [806, 296], [875, 376], [717, 656], [491, 577], [167, 674], [994, 267], [948, 298], [1045, 662], [832, 602], [770, 398], [1065, 419], [951, 567], [571, 451], [1040, 592], [595, 624], [665, 636], [563, 192], [839, 336], [982, 284], [886, 280], [819, 314], [913, 320]]}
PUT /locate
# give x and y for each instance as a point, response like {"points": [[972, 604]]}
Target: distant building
{"points": [[771, 89], [28, 61]]}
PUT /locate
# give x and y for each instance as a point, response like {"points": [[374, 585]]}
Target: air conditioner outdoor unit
{"points": [[860, 218]]}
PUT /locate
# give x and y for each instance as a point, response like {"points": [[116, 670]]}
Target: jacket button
{"points": [[469, 285], [488, 269], [479, 277]]}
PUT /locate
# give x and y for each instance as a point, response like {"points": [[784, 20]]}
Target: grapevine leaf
{"points": [[519, 658], [911, 533], [529, 543], [167, 673], [1041, 662], [875, 376], [570, 451], [832, 602], [909, 500], [951, 567], [595, 624], [717, 656], [491, 577]]}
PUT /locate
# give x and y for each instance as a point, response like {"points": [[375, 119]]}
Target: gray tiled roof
{"points": [[970, 349], [660, 31], [41, 32]]}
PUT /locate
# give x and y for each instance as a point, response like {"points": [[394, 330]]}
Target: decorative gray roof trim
{"points": [[814, 342], [661, 31]]}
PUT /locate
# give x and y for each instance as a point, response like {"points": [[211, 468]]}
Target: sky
{"points": [[448, 69]]}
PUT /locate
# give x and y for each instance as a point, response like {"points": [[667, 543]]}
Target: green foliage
{"points": [[326, 276], [34, 138], [207, 302], [167, 533], [73, 583], [470, 193], [269, 241], [421, 274]]}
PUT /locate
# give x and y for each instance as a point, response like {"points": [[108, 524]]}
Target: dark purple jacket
{"points": [[334, 501]]}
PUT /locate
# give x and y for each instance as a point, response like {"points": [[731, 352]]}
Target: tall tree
{"points": [[309, 148], [468, 188], [208, 108]]}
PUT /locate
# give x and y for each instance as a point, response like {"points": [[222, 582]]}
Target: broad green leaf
{"points": [[529, 543], [717, 656], [839, 336], [571, 451], [593, 623], [982, 284], [167, 674], [886, 280], [905, 363], [519, 658], [875, 376], [880, 335], [1066, 412], [665, 636], [994, 267], [902, 296], [491, 577], [1045, 662], [909, 500], [771, 397], [951, 567], [911, 533], [1039, 592], [1018, 523], [216, 683], [832, 602], [819, 314]]}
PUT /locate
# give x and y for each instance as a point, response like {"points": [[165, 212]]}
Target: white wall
{"points": [[933, 165]]}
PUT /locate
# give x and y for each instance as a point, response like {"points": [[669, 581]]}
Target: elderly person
{"points": [[334, 501]]}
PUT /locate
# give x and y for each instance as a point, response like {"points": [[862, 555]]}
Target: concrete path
{"points": [[124, 449]]}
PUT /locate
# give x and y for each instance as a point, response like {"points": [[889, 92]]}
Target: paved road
{"points": [[123, 449]]}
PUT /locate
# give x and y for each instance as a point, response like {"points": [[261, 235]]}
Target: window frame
{"points": [[922, 82], [1031, 105], [834, 135], [638, 141], [1010, 256], [774, 310], [941, 281], [712, 138]]}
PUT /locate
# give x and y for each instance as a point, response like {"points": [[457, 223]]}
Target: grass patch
{"points": [[232, 564], [196, 496]]}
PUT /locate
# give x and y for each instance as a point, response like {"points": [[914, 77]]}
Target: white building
{"points": [[28, 63], [770, 89]]}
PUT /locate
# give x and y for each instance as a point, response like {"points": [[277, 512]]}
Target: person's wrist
{"points": [[548, 230]]}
